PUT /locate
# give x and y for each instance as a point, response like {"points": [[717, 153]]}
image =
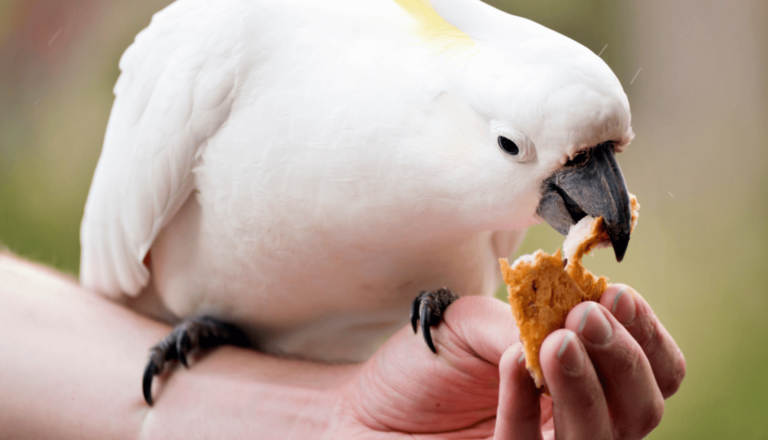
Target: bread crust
{"points": [[543, 288]]}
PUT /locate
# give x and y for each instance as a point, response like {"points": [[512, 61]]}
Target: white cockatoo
{"points": [[303, 169]]}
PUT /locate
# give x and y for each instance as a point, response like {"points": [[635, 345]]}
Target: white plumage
{"points": [[303, 169]]}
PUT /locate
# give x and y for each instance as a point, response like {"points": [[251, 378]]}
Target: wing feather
{"points": [[175, 91]]}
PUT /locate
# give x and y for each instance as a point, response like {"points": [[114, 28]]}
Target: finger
{"points": [[518, 415], [666, 359], [634, 400], [480, 325], [580, 408]]}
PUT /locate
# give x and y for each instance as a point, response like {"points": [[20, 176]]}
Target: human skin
{"points": [[72, 362]]}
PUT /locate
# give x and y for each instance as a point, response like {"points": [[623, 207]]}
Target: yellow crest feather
{"points": [[435, 30]]}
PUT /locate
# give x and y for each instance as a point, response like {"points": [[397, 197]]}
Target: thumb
{"points": [[518, 416], [480, 325]]}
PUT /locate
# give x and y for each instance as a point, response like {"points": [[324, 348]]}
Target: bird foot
{"points": [[201, 332], [428, 308]]}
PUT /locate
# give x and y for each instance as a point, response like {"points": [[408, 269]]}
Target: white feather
{"points": [[303, 169], [175, 91]]}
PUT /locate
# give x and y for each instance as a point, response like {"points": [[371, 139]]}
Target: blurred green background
{"points": [[700, 111]]}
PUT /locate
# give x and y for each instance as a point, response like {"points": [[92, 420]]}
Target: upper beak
{"points": [[592, 186]]}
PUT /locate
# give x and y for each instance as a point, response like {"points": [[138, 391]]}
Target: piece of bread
{"points": [[543, 288]]}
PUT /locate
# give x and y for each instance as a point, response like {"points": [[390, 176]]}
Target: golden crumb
{"points": [[541, 294], [543, 288]]}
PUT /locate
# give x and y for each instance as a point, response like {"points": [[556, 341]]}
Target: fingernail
{"points": [[624, 306], [594, 327], [570, 355]]}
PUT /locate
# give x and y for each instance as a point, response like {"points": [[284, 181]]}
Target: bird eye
{"points": [[508, 146]]}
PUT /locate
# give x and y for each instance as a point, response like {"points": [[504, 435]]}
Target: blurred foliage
{"points": [[58, 64], [697, 165]]}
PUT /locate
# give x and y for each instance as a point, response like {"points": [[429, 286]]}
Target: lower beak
{"points": [[593, 186]]}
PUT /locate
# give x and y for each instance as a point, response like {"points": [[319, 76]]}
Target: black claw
{"points": [[146, 385], [181, 348], [426, 317], [429, 307], [415, 312], [196, 333]]}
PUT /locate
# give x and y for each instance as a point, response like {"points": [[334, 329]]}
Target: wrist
{"points": [[345, 418], [236, 391], [324, 410]]}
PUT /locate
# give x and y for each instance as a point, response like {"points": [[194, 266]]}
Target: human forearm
{"points": [[71, 363], [71, 367]]}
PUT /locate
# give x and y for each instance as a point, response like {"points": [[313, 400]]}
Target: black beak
{"points": [[590, 184]]}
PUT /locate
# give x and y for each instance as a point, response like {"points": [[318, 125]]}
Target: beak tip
{"points": [[620, 247]]}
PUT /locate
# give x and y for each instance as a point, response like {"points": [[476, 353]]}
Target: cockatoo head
{"points": [[551, 115]]}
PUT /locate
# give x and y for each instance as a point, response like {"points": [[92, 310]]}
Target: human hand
{"points": [[608, 372], [476, 386]]}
